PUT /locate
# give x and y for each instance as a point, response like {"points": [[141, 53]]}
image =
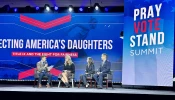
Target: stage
{"points": [[27, 88]]}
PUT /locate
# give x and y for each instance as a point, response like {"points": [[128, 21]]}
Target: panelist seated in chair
{"points": [[102, 71], [69, 69], [90, 69], [42, 70]]}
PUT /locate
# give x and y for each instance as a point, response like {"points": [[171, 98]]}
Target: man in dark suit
{"points": [[102, 71], [42, 70]]}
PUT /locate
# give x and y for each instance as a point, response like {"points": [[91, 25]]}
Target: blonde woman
{"points": [[69, 69]]}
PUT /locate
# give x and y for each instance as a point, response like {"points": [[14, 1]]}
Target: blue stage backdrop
{"points": [[148, 42], [25, 37]]}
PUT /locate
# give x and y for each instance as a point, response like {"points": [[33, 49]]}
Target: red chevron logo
{"points": [[45, 25], [30, 72]]}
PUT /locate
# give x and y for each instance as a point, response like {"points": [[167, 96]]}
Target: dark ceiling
{"points": [[60, 3]]}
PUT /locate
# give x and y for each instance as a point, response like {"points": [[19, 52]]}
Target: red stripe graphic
{"points": [[30, 72], [31, 21], [25, 74], [55, 72], [59, 21], [44, 25]]}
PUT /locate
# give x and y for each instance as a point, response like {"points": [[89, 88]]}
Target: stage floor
{"points": [[84, 90]]}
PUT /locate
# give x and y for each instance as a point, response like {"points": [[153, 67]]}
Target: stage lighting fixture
{"points": [[70, 8], [6, 8], [80, 9], [28, 9], [47, 7], [56, 8], [96, 5], [15, 9], [37, 8], [121, 35], [106, 9]]}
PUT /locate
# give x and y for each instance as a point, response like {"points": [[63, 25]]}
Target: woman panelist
{"points": [[69, 69], [90, 69]]}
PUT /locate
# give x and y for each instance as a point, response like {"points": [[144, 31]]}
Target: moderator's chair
{"points": [[89, 78], [71, 79], [36, 77]]}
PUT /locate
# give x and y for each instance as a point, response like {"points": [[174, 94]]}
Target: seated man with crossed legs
{"points": [[102, 71], [42, 70]]}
